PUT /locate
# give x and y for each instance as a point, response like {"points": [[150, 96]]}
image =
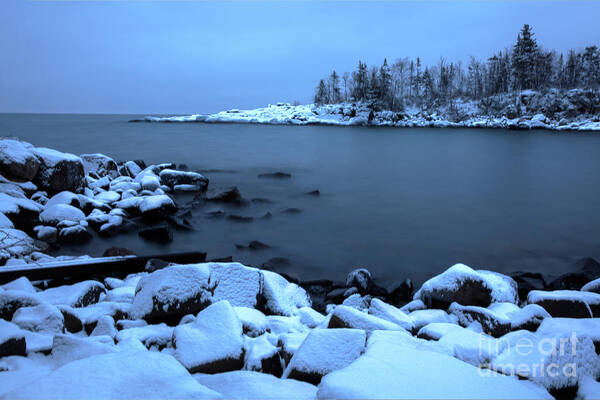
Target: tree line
{"points": [[407, 82]]}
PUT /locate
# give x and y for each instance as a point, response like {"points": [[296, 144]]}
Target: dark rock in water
{"points": [[154, 264], [292, 210], [172, 178], [179, 222], [336, 296], [378, 291], [76, 234], [160, 234], [214, 213], [584, 271], [17, 160], [157, 207], [254, 245], [314, 193], [58, 171], [317, 290], [402, 294], [267, 215], [276, 262], [361, 279], [259, 200], [183, 167], [528, 281], [276, 175], [118, 252], [223, 195], [239, 218]]}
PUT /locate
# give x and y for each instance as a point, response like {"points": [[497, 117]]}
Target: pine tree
{"points": [[321, 96], [590, 71], [361, 82], [385, 85], [335, 96], [524, 59]]}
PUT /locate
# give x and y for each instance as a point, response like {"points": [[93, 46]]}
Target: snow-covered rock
{"points": [[56, 213], [99, 164], [236, 283], [260, 354], [58, 171], [23, 284], [12, 300], [390, 313], [282, 297], [467, 286], [172, 292], [41, 318], [213, 342], [359, 278], [254, 322], [156, 207], [425, 317], [567, 303], [173, 178], [324, 351], [348, 317], [158, 336], [105, 326], [593, 286], [5, 222], [80, 294], [243, 385], [66, 349], [17, 160], [141, 375], [12, 340], [16, 243], [22, 212]]}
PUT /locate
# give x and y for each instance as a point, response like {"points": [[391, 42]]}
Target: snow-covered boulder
{"points": [[174, 178], [23, 284], [56, 213], [282, 297], [390, 313], [425, 317], [12, 340], [105, 326], [348, 317], [17, 160], [132, 168], [435, 330], [213, 342], [390, 370], [243, 385], [109, 197], [158, 336], [80, 294], [58, 171], [254, 322], [467, 286], [5, 222], [74, 234], [41, 318], [47, 234], [156, 207], [22, 212], [260, 354], [359, 278], [16, 243], [593, 286], [66, 349], [492, 323], [64, 197], [567, 303], [172, 292], [100, 165], [324, 351], [564, 327], [141, 375], [12, 300], [236, 283]]}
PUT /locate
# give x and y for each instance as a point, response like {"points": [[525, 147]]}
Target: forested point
{"points": [[407, 83]]}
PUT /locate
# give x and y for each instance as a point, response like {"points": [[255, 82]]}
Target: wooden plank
{"points": [[83, 269]]}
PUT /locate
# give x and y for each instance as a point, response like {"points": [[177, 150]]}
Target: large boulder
{"points": [[349, 317], [56, 213], [127, 374], [324, 351], [467, 286], [58, 171], [12, 300], [213, 342], [22, 212], [156, 207], [16, 243], [80, 294], [281, 297], [100, 165], [170, 293], [238, 284], [41, 318], [567, 303], [174, 178], [12, 340], [17, 160], [592, 286]]}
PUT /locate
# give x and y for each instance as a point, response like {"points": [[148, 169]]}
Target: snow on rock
{"points": [[12, 300], [494, 324], [41, 318], [148, 179], [290, 343], [236, 283], [158, 336], [279, 324], [310, 317], [425, 317], [48, 234], [174, 178], [324, 351], [100, 165], [105, 326], [64, 197], [467, 286], [12, 340], [359, 278], [132, 168], [392, 370], [110, 196], [593, 286], [58, 171], [553, 361], [74, 234], [348, 317], [390, 313], [567, 303], [471, 347], [529, 317], [589, 389], [80, 294], [172, 292], [141, 375], [213, 342], [156, 207], [282, 297], [23, 284], [357, 301], [123, 294], [17, 160], [56, 213], [414, 305], [435, 330], [564, 327], [5, 222], [261, 355], [254, 322], [66, 349], [16, 243], [23, 213], [243, 385], [90, 315]]}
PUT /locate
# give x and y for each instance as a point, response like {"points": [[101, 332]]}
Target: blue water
{"points": [[401, 202]]}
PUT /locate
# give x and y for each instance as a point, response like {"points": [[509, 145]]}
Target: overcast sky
{"points": [[198, 56]]}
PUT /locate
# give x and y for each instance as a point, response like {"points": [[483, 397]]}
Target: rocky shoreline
{"points": [[551, 110], [227, 330]]}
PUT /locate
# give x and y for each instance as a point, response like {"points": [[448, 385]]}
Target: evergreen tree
{"points": [[321, 96], [385, 85], [590, 67], [361, 82], [524, 59], [335, 95]]}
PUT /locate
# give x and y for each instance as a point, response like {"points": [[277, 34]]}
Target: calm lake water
{"points": [[402, 202]]}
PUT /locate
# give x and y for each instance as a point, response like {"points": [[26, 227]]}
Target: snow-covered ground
{"points": [[534, 114]]}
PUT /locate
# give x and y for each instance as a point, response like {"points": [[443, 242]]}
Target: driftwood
{"points": [[84, 269]]}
